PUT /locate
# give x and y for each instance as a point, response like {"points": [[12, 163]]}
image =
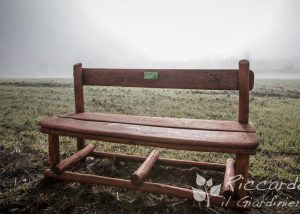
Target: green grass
{"points": [[274, 110]]}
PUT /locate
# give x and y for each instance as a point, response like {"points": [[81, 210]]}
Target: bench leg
{"points": [[80, 143], [242, 168], [54, 155]]}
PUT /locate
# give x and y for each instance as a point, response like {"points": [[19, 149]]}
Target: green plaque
{"points": [[150, 75]]}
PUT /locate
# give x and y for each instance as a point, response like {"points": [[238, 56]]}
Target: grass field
{"points": [[274, 110]]}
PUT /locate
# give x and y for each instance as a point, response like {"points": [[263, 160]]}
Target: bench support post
{"points": [[79, 100], [244, 91], [241, 168], [54, 155]]}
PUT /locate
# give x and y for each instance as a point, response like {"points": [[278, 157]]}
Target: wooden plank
{"points": [[204, 138], [228, 185], [167, 78], [145, 142], [217, 125], [144, 187], [144, 170], [162, 161], [244, 91], [63, 165], [54, 155]]}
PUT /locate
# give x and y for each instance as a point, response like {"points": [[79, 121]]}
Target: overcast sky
{"points": [[40, 38]]}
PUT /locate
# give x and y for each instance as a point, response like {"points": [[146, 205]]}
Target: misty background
{"points": [[40, 38]]}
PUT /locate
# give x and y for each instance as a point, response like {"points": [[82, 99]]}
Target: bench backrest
{"points": [[241, 79]]}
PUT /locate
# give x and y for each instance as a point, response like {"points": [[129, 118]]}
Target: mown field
{"points": [[274, 110]]}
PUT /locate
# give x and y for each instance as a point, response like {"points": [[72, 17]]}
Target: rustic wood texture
{"points": [[144, 187], [244, 91], [167, 78], [79, 96], [144, 170], [63, 165], [217, 125], [162, 161], [241, 168], [228, 185], [151, 143], [54, 154], [162, 135]]}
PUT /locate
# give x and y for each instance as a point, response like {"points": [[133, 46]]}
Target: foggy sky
{"points": [[40, 38]]}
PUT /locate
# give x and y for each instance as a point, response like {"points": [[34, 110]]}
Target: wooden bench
{"points": [[237, 137]]}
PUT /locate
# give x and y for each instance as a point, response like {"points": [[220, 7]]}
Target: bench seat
{"points": [[174, 133]]}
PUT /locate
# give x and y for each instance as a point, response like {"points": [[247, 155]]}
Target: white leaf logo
{"points": [[199, 195], [209, 182], [215, 190], [200, 180]]}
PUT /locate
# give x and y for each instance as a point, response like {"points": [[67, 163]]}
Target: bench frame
{"points": [[241, 79]]}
